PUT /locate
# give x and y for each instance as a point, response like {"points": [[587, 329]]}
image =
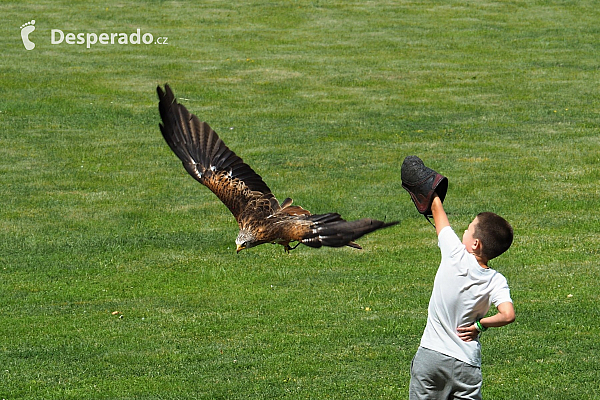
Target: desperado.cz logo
{"points": [[26, 29], [57, 37]]}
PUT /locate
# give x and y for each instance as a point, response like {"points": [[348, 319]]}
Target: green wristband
{"points": [[480, 327]]}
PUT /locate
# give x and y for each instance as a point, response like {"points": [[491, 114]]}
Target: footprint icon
{"points": [[26, 29]]}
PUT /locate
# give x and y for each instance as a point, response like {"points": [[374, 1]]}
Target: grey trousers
{"points": [[434, 375]]}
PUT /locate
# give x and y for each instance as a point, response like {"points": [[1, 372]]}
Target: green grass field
{"points": [[118, 272]]}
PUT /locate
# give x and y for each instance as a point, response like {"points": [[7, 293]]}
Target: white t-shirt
{"points": [[462, 293]]}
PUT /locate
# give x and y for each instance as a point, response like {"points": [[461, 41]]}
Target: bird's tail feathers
{"points": [[332, 231]]}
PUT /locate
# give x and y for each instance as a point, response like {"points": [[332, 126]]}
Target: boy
{"points": [[447, 364]]}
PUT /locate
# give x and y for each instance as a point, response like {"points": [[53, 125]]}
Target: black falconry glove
{"points": [[422, 182]]}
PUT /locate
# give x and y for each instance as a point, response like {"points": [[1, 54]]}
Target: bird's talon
{"points": [[288, 248]]}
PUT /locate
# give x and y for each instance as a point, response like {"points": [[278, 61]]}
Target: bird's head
{"points": [[245, 240]]}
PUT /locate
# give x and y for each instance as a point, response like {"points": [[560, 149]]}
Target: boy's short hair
{"points": [[495, 234]]}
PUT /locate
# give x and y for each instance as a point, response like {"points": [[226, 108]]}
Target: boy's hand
{"points": [[468, 333], [505, 316]]}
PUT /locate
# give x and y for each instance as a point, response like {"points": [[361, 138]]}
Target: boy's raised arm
{"points": [[439, 215]]}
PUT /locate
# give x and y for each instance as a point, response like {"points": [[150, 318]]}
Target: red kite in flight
{"points": [[261, 218]]}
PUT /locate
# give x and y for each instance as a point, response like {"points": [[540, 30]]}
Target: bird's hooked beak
{"points": [[240, 247]]}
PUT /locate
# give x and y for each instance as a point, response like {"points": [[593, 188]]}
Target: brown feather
{"points": [[206, 158], [289, 209]]}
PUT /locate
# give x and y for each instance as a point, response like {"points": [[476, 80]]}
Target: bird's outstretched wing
{"points": [[207, 159]]}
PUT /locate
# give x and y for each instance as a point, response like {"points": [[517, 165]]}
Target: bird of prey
{"points": [[261, 218]]}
